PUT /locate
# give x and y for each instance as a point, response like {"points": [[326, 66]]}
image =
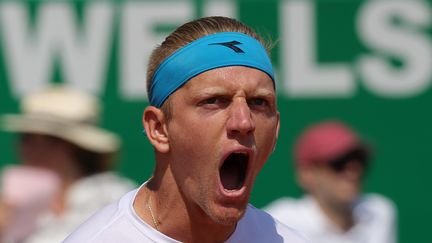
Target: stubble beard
{"points": [[222, 214]]}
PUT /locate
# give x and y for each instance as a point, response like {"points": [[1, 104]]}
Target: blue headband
{"points": [[209, 52]]}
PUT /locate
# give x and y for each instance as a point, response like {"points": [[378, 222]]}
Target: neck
{"points": [[340, 215], [60, 203], [174, 215]]}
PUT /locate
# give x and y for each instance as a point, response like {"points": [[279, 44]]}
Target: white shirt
{"points": [[374, 218], [119, 223], [84, 198]]}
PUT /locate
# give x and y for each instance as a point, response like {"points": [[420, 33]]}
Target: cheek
{"points": [[323, 182], [194, 137], [334, 186], [265, 136], [194, 157], [34, 154], [348, 187]]}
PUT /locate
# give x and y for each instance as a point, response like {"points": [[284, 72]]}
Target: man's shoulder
{"points": [[259, 226], [289, 207], [103, 221], [302, 213], [377, 205]]}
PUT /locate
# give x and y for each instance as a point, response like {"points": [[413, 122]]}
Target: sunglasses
{"points": [[358, 155]]}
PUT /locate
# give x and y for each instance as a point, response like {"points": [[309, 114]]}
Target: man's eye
{"points": [[212, 100], [215, 101], [257, 102]]}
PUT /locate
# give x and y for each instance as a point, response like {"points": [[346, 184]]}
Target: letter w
{"points": [[30, 55]]}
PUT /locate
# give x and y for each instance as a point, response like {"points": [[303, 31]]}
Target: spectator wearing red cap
{"points": [[331, 161]]}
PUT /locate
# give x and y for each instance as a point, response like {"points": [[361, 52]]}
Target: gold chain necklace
{"points": [[155, 222]]}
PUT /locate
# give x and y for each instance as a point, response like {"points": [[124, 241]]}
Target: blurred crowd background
{"points": [[365, 63]]}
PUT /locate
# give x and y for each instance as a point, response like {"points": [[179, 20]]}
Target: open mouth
{"points": [[233, 171]]}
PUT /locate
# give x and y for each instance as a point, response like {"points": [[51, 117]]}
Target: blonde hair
{"points": [[188, 33]]}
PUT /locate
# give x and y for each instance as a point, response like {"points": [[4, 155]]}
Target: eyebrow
{"points": [[219, 91], [210, 91], [264, 92]]}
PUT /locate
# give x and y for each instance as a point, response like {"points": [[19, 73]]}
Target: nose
{"points": [[240, 118], [354, 170]]}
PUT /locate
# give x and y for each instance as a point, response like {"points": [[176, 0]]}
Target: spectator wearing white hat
{"points": [[331, 161], [58, 133]]}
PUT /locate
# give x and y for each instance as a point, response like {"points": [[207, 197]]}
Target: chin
{"points": [[227, 216], [349, 192], [349, 198]]}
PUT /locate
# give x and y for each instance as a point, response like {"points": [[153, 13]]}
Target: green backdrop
{"points": [[367, 63]]}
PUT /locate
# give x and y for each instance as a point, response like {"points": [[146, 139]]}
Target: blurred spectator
{"points": [[61, 146], [331, 162]]}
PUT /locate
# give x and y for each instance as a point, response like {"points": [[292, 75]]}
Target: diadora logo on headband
{"points": [[231, 45]]}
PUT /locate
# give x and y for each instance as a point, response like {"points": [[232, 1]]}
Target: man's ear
{"points": [[154, 123]]}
